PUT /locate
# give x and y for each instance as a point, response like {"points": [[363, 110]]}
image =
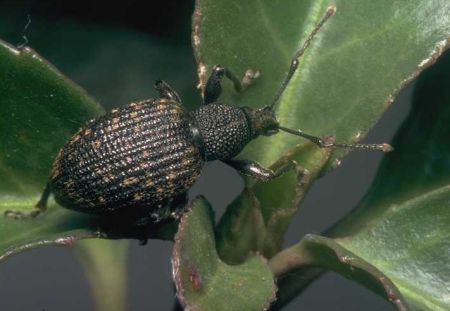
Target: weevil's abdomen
{"points": [[134, 157]]}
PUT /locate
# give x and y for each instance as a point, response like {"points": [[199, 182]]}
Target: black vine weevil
{"points": [[140, 157]]}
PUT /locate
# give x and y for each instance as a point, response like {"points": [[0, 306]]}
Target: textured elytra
{"points": [[224, 130], [136, 156]]}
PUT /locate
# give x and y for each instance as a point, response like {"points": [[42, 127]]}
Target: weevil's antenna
{"points": [[24, 36], [295, 61], [294, 65], [324, 144]]}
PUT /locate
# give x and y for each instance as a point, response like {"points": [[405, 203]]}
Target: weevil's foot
{"points": [[143, 241], [19, 215], [386, 148], [249, 76]]}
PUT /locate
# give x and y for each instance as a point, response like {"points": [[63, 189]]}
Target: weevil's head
{"points": [[262, 121]]}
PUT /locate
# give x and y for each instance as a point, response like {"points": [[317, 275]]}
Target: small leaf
{"points": [[259, 218], [203, 281], [241, 229]]}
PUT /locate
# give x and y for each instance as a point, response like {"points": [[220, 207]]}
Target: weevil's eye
{"points": [[271, 130], [218, 70]]}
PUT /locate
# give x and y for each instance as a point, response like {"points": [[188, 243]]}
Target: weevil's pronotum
{"points": [[143, 155]]}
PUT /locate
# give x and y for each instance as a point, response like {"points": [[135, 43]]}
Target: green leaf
{"points": [[411, 246], [403, 257], [58, 227], [350, 74], [402, 225], [203, 281], [401, 228], [39, 110], [420, 162], [298, 265]]}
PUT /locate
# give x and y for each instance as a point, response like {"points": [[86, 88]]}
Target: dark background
{"points": [[116, 51]]}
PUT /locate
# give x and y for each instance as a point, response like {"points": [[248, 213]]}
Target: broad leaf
{"points": [[405, 218], [401, 227], [39, 110], [350, 74], [411, 246]]}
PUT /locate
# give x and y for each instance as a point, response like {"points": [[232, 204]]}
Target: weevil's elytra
{"points": [[115, 167], [145, 155]]}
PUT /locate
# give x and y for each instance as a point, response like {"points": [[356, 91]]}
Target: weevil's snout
{"points": [[262, 121]]}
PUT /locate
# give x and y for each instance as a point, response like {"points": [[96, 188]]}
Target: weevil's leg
{"points": [[39, 208], [144, 240], [179, 206], [256, 170], [42, 204], [166, 91], [213, 85]]}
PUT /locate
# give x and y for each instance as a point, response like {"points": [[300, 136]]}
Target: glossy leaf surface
{"points": [[401, 228], [350, 74]]}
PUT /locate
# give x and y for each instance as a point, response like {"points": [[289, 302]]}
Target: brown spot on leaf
{"points": [[195, 278]]}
